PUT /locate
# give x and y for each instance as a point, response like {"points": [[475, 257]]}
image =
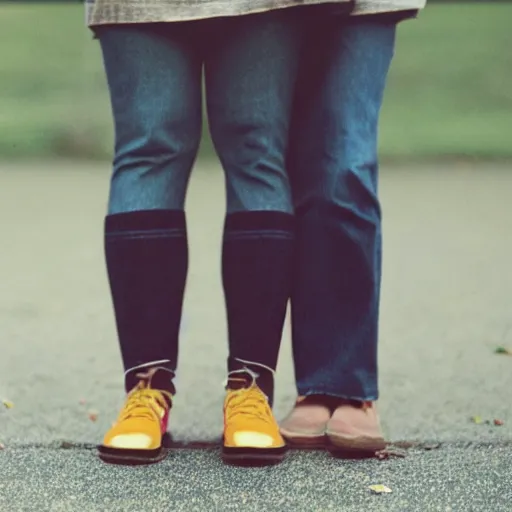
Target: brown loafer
{"points": [[355, 427], [306, 424]]}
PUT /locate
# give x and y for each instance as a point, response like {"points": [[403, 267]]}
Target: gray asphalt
{"points": [[446, 305], [445, 480]]}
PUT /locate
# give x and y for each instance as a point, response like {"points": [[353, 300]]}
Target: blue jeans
{"points": [[333, 171], [154, 75]]}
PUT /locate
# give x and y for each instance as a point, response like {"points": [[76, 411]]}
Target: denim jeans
{"points": [[154, 74], [333, 170]]}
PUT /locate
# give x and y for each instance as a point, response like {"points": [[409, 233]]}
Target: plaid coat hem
{"points": [[381, 6], [102, 12]]}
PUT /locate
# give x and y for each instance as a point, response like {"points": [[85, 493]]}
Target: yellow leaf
{"points": [[379, 489], [477, 419], [8, 404]]}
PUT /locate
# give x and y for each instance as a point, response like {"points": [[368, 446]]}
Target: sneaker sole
{"points": [[248, 456], [362, 445], [135, 457]]}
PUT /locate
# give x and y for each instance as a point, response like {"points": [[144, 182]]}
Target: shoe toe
{"points": [[355, 428], [306, 421], [132, 441], [249, 439]]}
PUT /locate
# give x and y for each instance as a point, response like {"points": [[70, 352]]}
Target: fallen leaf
{"points": [[8, 404], [477, 419], [93, 415], [499, 423], [2, 446], [503, 350], [379, 489], [66, 445]]}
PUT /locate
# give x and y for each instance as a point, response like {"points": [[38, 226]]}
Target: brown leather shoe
{"points": [[355, 427], [306, 424]]}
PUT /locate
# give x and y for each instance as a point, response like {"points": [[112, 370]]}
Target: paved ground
{"points": [[447, 304]]}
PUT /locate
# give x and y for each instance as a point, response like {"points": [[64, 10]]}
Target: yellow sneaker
{"points": [[137, 435], [251, 433]]}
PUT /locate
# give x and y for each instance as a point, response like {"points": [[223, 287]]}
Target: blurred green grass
{"points": [[449, 95]]}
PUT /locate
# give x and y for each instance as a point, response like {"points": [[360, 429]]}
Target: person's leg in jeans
{"points": [[250, 79], [154, 78], [250, 74], [333, 170]]}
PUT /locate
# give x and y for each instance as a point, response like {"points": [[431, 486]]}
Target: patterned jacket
{"points": [[100, 12], [381, 6]]}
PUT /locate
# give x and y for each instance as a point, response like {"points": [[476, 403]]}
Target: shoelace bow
{"points": [[249, 402], [143, 402]]}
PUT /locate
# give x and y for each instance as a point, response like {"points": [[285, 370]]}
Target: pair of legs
{"points": [[154, 75], [333, 171]]}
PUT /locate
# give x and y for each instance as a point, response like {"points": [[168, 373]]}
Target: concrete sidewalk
{"points": [[446, 305]]}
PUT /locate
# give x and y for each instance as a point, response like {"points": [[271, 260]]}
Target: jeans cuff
{"points": [[367, 397]]}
